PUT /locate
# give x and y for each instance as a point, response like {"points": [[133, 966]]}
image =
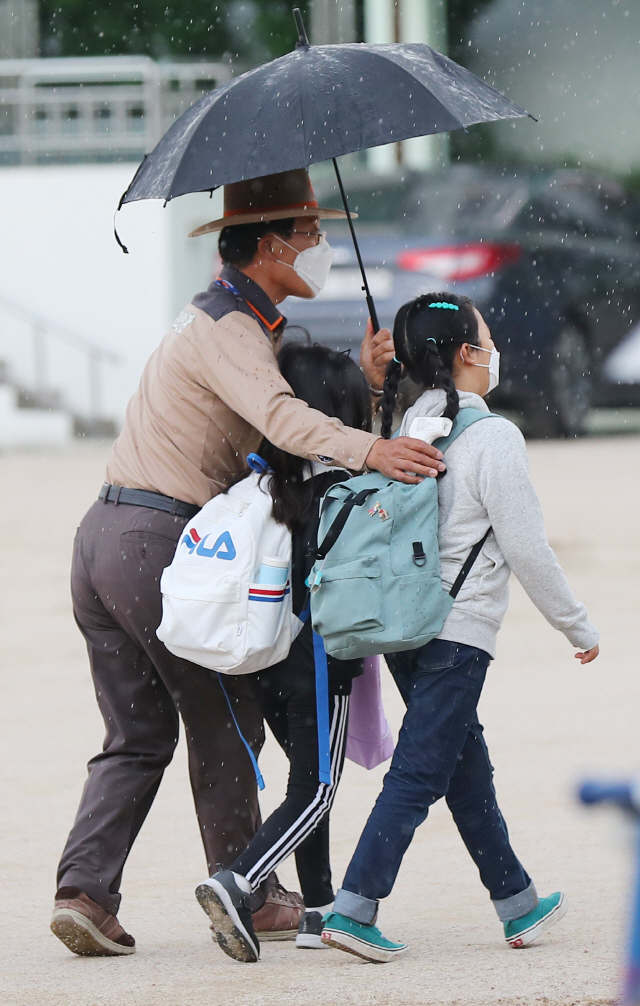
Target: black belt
{"points": [[144, 497]]}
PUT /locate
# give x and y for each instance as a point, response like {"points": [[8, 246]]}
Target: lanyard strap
{"points": [[322, 709], [226, 285], [253, 758], [322, 701]]}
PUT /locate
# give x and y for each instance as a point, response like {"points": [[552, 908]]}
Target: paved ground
{"points": [[548, 723]]}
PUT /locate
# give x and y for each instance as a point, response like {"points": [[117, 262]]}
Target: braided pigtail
{"points": [[440, 377], [389, 395]]}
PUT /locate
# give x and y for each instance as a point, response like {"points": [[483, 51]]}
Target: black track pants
{"points": [[286, 693]]}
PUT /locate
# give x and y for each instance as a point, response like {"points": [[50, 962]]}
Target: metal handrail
{"points": [[41, 327], [94, 106]]}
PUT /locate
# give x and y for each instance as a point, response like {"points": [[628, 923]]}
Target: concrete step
{"points": [[30, 427]]}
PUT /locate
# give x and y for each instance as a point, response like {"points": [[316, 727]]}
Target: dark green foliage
{"points": [[459, 14], [251, 31], [477, 145]]}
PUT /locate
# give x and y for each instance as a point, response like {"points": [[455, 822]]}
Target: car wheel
{"points": [[563, 410]]}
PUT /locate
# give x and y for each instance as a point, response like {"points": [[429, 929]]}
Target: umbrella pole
{"points": [[373, 314]]}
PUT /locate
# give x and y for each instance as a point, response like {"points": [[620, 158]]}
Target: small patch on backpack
{"points": [[378, 509]]}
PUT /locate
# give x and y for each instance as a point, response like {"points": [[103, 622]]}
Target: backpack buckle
{"points": [[419, 557]]}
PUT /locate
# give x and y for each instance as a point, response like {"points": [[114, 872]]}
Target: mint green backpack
{"points": [[375, 585]]}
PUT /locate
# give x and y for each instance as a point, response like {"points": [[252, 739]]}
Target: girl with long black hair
{"points": [[333, 384], [443, 343]]}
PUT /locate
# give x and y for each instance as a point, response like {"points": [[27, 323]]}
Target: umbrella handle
{"points": [[373, 314]]}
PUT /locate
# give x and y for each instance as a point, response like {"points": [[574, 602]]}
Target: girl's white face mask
{"points": [[493, 366], [313, 264]]}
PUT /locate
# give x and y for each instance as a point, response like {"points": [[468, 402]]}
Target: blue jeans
{"points": [[441, 752]]}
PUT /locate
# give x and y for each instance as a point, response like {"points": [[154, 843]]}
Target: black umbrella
{"points": [[314, 104]]}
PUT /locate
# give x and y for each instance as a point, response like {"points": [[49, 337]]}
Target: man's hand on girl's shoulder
{"points": [[405, 459], [587, 655]]}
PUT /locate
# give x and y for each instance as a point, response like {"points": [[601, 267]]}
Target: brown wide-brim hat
{"points": [[271, 197]]}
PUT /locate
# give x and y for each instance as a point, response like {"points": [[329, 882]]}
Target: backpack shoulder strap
{"points": [[469, 561], [464, 419], [352, 500]]}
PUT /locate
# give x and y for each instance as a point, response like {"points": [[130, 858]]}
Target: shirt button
{"points": [[352, 461]]}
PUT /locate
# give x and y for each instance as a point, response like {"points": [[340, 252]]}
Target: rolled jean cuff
{"points": [[509, 909], [355, 907]]}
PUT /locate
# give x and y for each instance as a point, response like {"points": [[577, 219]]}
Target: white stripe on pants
{"points": [[317, 808]]}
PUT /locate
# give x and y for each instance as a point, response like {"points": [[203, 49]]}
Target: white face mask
{"points": [[313, 264], [493, 366]]}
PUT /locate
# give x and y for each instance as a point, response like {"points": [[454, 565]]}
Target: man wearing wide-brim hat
{"points": [[208, 395]]}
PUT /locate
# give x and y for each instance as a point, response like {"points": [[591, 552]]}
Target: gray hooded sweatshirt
{"points": [[487, 485]]}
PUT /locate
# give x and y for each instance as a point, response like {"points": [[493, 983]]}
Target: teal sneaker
{"points": [[522, 932], [364, 941]]}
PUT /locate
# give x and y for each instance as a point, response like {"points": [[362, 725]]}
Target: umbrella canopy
{"points": [[314, 104]]}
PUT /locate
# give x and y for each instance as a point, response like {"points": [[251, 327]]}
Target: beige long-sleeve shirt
{"points": [[208, 395]]}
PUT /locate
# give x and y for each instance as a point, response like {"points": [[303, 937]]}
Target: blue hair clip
{"points": [[443, 304], [430, 339], [396, 360]]}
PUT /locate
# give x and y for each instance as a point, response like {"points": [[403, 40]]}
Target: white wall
{"points": [[58, 256]]}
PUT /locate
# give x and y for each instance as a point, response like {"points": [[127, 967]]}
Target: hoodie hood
{"points": [[433, 403]]}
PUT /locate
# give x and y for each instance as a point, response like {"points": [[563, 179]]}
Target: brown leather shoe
{"points": [[86, 928], [279, 916]]}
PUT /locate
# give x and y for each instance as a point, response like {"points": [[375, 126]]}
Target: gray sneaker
{"points": [[228, 908], [309, 932]]}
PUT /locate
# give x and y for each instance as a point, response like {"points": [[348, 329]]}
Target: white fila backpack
{"points": [[214, 610]]}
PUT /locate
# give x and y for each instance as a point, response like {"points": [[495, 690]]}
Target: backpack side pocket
{"points": [[268, 616], [348, 598]]}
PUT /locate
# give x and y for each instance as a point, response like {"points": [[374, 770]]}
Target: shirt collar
{"points": [[259, 302]]}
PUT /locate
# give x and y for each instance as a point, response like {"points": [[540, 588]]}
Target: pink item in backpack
{"points": [[369, 740]]}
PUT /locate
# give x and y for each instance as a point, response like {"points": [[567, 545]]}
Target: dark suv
{"points": [[551, 258]]}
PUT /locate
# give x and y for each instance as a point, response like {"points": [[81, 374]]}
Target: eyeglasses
{"points": [[312, 234]]}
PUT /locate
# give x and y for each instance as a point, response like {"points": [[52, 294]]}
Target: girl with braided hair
{"points": [[485, 498], [428, 360]]}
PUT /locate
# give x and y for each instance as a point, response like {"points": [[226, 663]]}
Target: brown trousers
{"points": [[119, 554]]}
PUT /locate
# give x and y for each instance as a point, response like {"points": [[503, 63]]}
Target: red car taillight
{"points": [[459, 262]]}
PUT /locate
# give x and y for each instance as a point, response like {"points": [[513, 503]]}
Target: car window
{"points": [[545, 212], [620, 209], [464, 203], [572, 212], [449, 207], [382, 204], [445, 205], [376, 203]]}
